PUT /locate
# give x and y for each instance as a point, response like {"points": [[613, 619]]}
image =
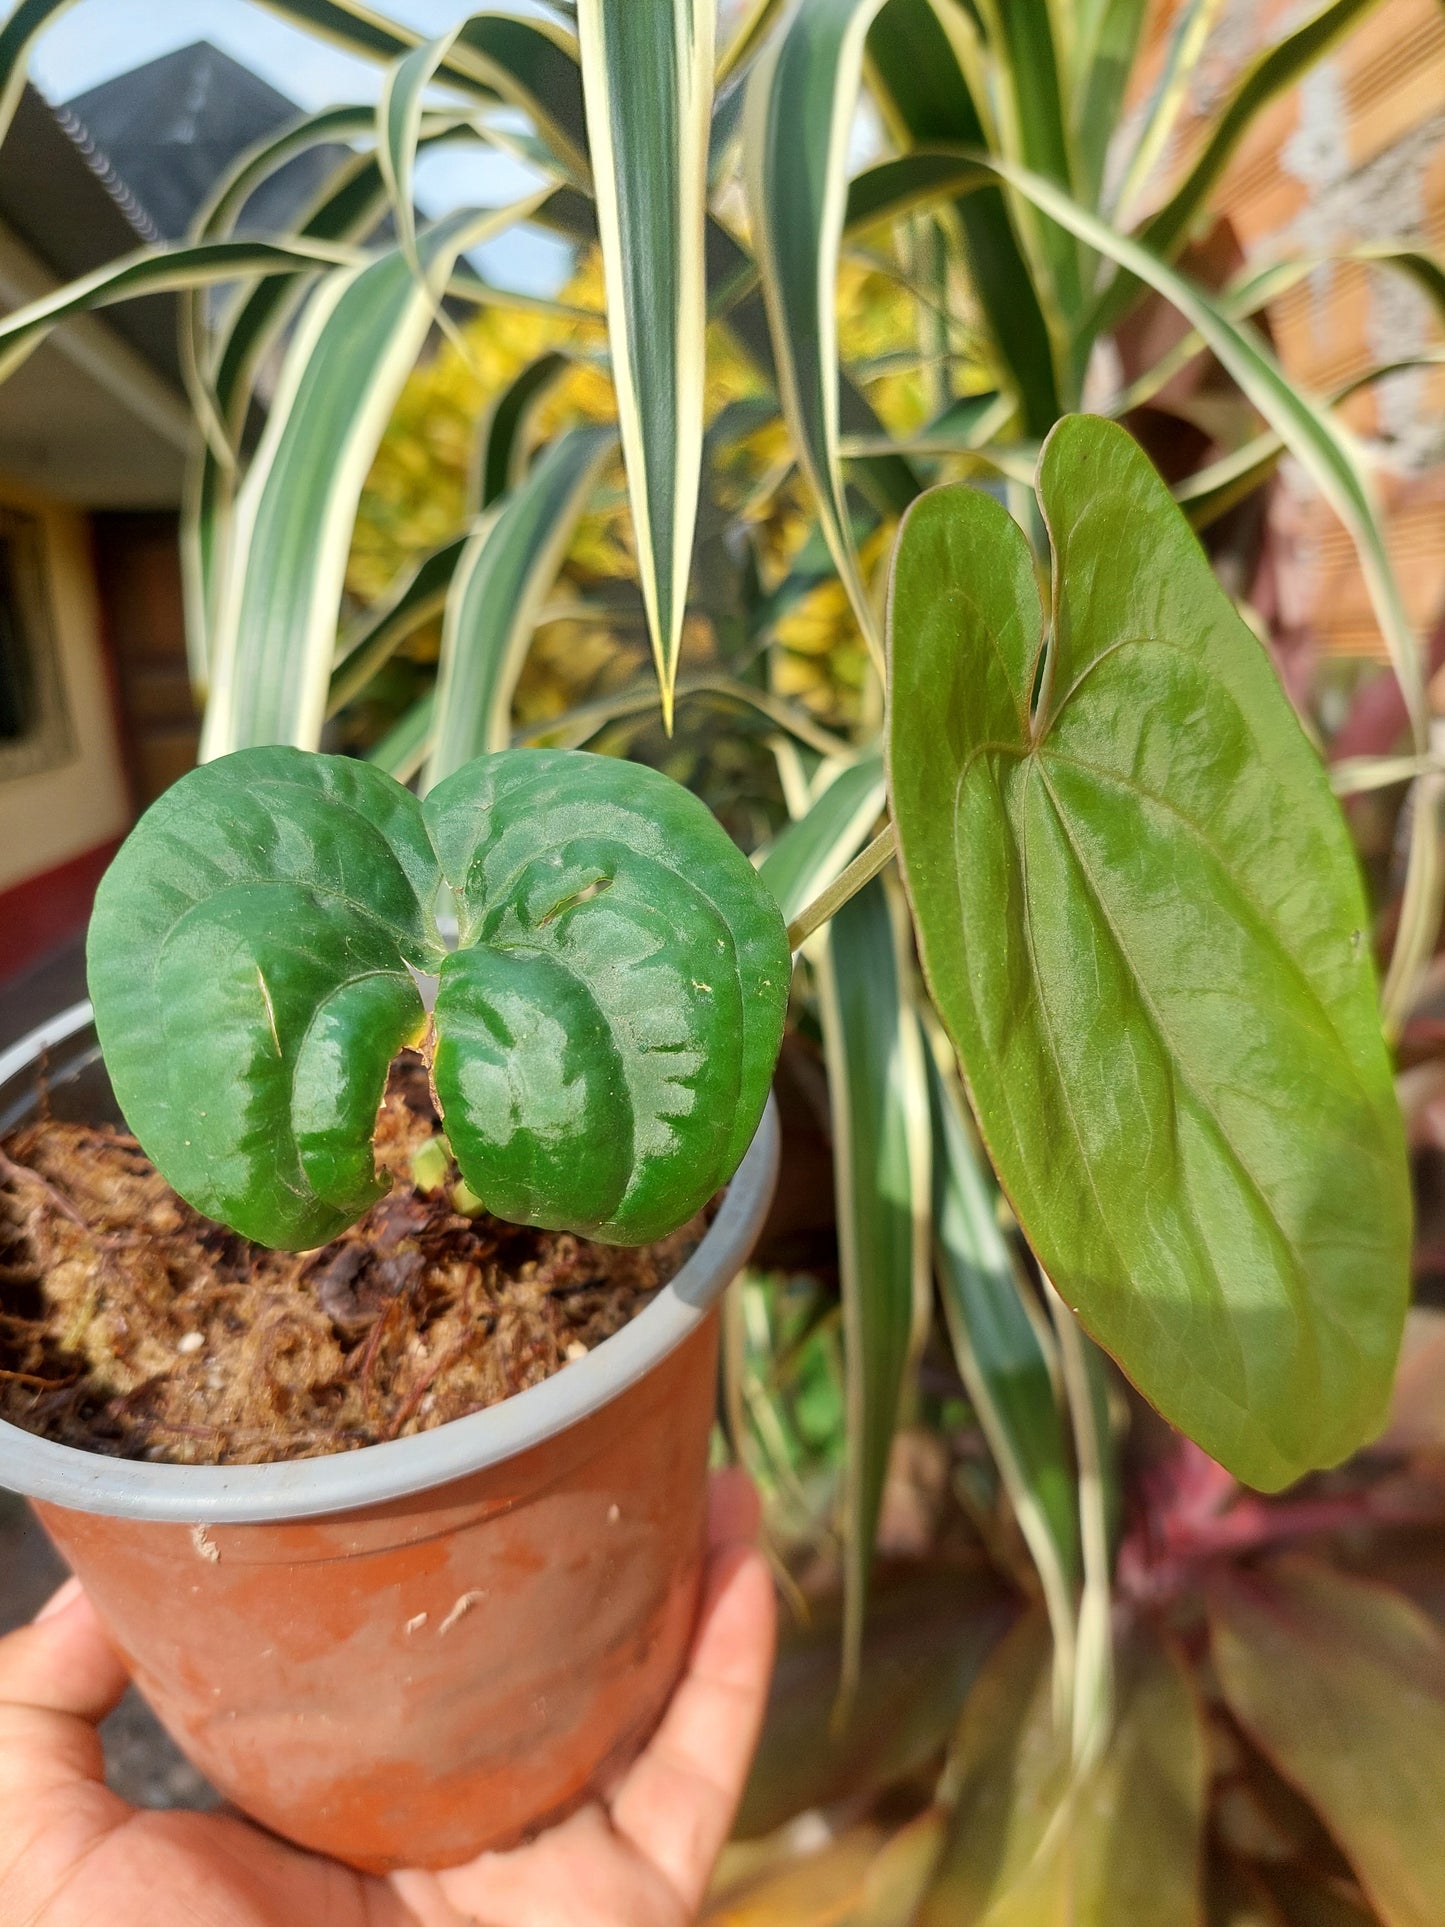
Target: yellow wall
{"points": [[59, 813]]}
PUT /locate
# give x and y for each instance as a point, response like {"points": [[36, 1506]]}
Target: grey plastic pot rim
{"points": [[297, 1489]]}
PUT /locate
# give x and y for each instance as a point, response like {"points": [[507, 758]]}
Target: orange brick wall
{"points": [[1354, 154]]}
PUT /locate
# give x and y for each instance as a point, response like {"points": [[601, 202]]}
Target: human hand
{"points": [[73, 1853]]}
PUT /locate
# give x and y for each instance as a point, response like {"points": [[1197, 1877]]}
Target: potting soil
{"points": [[131, 1325]]}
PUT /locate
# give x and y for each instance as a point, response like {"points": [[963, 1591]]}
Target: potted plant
{"points": [[1127, 885], [402, 1653], [601, 1045]]}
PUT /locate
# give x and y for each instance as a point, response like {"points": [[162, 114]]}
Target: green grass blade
{"points": [[801, 99], [647, 68], [815, 848], [500, 581], [925, 97], [1001, 1356], [276, 631], [878, 1093]]}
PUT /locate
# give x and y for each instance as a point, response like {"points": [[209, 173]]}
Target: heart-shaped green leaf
{"points": [[606, 1030], [1141, 921]]}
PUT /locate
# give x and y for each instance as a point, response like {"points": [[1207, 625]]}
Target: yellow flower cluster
{"points": [[419, 494]]}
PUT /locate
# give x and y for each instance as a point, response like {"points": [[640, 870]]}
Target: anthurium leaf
{"points": [[1142, 924], [1342, 1683], [606, 1032]]}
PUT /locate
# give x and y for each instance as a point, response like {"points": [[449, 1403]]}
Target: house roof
{"points": [[57, 201], [169, 130], [97, 415]]}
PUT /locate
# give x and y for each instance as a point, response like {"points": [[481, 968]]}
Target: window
{"points": [[35, 732]]}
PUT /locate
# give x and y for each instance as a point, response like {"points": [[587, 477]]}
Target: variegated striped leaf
{"points": [[417, 594], [1320, 445], [801, 99], [501, 445], [501, 579], [815, 848], [407, 744], [916, 76], [1280, 67], [1001, 1353], [647, 68], [159, 270], [530, 63], [1034, 130], [398, 131], [878, 1096], [276, 629], [27, 21], [222, 378]]}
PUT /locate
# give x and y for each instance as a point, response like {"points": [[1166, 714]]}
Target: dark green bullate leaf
{"points": [[606, 1029], [1141, 921]]}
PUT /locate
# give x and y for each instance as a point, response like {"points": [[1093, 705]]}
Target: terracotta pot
{"points": [[403, 1655]]}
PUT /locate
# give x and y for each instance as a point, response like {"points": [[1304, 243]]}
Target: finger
{"points": [[62, 1661], [577, 1874], [733, 1511], [676, 1805]]}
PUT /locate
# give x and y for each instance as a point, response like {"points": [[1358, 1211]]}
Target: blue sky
{"points": [[98, 39]]}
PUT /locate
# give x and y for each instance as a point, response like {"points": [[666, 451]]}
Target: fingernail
{"points": [[67, 1596]]}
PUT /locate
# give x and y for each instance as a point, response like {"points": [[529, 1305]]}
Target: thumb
{"points": [[60, 1673]]}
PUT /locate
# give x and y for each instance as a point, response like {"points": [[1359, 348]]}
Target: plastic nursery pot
{"points": [[403, 1655]]}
